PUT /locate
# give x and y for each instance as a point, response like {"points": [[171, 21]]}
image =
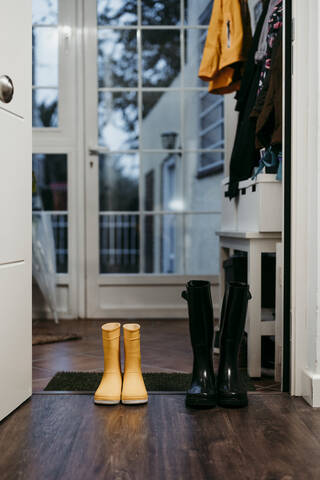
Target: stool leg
{"points": [[253, 325]]}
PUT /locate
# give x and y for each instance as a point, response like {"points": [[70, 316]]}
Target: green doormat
{"points": [[155, 382]]}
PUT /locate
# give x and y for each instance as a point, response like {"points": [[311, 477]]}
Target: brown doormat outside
{"points": [[155, 382], [41, 339]]}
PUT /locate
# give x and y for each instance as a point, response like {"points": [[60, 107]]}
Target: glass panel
{"points": [[160, 58], [45, 56], [201, 244], [198, 13], [45, 107], [160, 12], [119, 182], [212, 162], [118, 120], [204, 120], [161, 114], [50, 193], [161, 181], [194, 39], [211, 132], [117, 12], [117, 58], [172, 182], [60, 231], [119, 243], [50, 174], [182, 244], [51, 229], [45, 12]]}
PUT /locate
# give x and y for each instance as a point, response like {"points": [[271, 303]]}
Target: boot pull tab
{"points": [[184, 295], [249, 295]]}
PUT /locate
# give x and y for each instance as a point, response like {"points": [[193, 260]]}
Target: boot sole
{"points": [[134, 402], [201, 402], [106, 402], [232, 403]]}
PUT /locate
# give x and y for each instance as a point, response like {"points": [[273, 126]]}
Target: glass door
{"points": [[154, 147]]}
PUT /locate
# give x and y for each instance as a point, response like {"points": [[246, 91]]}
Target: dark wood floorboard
{"points": [[58, 437]]}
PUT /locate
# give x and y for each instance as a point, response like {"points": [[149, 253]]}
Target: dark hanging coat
{"points": [[244, 155], [267, 111]]}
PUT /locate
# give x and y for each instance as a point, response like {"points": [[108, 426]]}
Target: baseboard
{"points": [[311, 388]]}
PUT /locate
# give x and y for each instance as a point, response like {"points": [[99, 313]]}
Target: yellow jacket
{"points": [[227, 45]]}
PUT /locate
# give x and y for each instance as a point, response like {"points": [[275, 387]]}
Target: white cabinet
{"points": [[15, 207]]}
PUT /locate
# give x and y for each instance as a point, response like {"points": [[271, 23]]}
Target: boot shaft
{"points": [[131, 335], [111, 347], [200, 309], [233, 314]]}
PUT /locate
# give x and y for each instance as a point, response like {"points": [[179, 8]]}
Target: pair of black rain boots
{"points": [[229, 391]]}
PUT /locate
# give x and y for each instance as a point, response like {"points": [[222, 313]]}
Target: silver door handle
{"points": [[6, 89]]}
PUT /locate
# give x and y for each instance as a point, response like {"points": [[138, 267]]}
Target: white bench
{"points": [[257, 323]]}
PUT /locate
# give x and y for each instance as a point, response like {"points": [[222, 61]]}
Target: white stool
{"points": [[254, 244]]}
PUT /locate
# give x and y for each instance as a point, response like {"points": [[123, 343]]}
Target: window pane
{"points": [[45, 107], [163, 12], [119, 12], [45, 12], [201, 244], [119, 243], [50, 195], [161, 114], [50, 238], [172, 182], [45, 57], [50, 172], [60, 231], [204, 121], [160, 58], [181, 244], [211, 132], [118, 120], [119, 182], [194, 41], [117, 58], [198, 13]]}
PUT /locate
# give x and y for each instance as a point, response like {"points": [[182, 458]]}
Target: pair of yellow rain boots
{"points": [[131, 390]]}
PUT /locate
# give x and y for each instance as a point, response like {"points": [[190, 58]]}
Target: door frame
{"points": [[305, 203]]}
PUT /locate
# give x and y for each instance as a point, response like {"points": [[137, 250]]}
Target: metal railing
{"points": [[119, 243]]}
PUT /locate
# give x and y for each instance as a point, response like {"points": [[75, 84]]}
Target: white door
{"points": [[15, 208], [141, 83]]}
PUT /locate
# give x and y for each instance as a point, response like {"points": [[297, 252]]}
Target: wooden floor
{"points": [[165, 347], [67, 437]]}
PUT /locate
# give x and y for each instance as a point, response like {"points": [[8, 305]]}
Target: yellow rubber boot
{"points": [[109, 390], [133, 388]]}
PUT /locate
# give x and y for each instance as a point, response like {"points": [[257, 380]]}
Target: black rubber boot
{"points": [[202, 392], [232, 392]]}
